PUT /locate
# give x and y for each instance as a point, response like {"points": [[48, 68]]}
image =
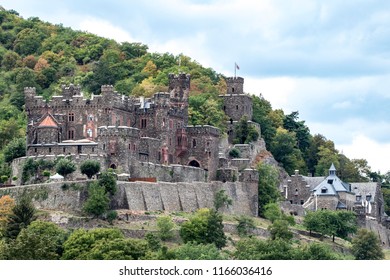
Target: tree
{"points": [[6, 205], [256, 249], [331, 223], [107, 180], [245, 225], [222, 199], [279, 230], [23, 213], [14, 149], [268, 186], [65, 166], [317, 251], [245, 133], [81, 241], [39, 241], [327, 156], [366, 246], [165, 227], [98, 202], [90, 168], [205, 227], [194, 251]]}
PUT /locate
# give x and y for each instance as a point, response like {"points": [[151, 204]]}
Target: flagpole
{"points": [[235, 69]]}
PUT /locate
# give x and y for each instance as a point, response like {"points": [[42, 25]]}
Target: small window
{"points": [[63, 149], [232, 89], [143, 123], [93, 149], [330, 181], [302, 202], [193, 143], [89, 132], [90, 118], [324, 190], [35, 150], [236, 107], [71, 117], [71, 134], [104, 147], [129, 146], [49, 150]]}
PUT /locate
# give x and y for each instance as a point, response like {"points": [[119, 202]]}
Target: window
{"points": [[49, 150], [193, 143], [232, 89], [71, 134], [129, 146], [163, 122], [71, 117], [93, 149], [324, 190], [236, 107], [302, 202], [170, 124], [35, 150], [330, 181], [90, 118], [104, 147], [89, 132], [63, 150], [143, 123]]}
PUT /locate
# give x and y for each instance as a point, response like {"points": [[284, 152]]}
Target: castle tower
{"points": [[236, 104], [179, 86]]}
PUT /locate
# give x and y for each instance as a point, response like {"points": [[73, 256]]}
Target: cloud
{"points": [[105, 29], [377, 154]]}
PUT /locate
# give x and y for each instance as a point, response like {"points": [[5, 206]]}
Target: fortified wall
{"points": [[143, 196]]}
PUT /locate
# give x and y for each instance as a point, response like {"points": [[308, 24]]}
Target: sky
{"points": [[329, 60]]}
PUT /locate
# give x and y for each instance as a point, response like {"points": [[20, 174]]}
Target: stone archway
{"points": [[113, 166], [194, 163]]}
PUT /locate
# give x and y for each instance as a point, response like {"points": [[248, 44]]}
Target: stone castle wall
{"points": [[144, 196]]}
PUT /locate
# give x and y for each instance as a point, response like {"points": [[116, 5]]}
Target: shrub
{"points": [[234, 153], [165, 227]]}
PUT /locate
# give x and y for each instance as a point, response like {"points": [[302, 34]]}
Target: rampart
{"points": [[143, 196]]}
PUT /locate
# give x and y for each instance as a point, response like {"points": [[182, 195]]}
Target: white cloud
{"points": [[377, 154], [105, 29]]}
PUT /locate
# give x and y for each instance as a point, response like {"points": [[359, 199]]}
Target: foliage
{"points": [[245, 133], [317, 251], [90, 168], [222, 199], [65, 166], [256, 249], [268, 186], [331, 223], [366, 246], [107, 180], [6, 205], [81, 242], [279, 230], [234, 153], [204, 227], [39, 241], [194, 251], [245, 225], [165, 227], [98, 202], [14, 149], [111, 216], [23, 213], [154, 242]]}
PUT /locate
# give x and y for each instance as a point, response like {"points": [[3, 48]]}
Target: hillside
{"points": [[45, 56]]}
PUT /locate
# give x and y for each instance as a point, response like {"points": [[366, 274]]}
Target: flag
{"points": [[237, 67]]}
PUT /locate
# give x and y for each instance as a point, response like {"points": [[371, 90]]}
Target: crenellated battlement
{"points": [[203, 129], [116, 131]]}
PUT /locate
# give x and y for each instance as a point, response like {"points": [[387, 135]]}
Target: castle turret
{"points": [[236, 104], [179, 86], [69, 91]]}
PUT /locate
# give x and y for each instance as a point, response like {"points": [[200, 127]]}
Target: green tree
{"points": [[256, 249], [327, 156], [222, 199], [65, 167], [245, 225], [80, 243], [165, 227], [279, 230], [205, 227], [268, 186], [39, 241], [318, 251], [245, 133], [90, 167], [194, 251], [366, 246], [107, 180], [14, 149], [23, 213], [98, 202]]}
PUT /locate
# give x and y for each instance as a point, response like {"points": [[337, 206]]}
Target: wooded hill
{"points": [[38, 54]]}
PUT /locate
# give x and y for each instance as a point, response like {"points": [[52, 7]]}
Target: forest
{"points": [[34, 53]]}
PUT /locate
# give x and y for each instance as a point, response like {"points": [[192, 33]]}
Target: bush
{"points": [[234, 153], [65, 166], [245, 225], [98, 202], [165, 227], [111, 216]]}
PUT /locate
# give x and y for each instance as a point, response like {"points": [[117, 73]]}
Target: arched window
{"points": [[89, 132], [71, 133]]}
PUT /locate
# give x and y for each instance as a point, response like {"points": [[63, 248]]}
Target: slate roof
{"points": [[331, 185], [365, 188]]}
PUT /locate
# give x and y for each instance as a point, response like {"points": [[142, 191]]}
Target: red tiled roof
{"points": [[48, 121]]}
